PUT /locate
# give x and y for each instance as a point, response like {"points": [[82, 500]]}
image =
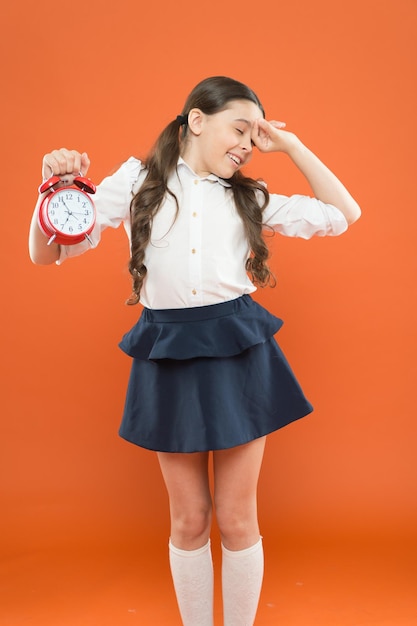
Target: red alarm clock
{"points": [[67, 214]]}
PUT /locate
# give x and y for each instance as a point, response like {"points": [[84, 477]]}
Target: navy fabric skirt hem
{"points": [[207, 378]]}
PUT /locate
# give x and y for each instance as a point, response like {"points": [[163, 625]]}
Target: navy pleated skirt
{"points": [[207, 378]]}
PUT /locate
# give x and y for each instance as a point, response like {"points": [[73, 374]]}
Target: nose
{"points": [[247, 144]]}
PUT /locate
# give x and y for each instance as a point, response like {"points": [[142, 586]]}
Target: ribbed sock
{"points": [[192, 573], [242, 574]]}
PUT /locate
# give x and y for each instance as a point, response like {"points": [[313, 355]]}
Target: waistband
{"points": [[217, 330], [198, 313]]}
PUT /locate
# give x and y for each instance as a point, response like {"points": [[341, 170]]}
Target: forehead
{"points": [[243, 110]]}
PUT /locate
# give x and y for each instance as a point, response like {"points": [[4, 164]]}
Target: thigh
{"points": [[186, 478], [236, 474]]}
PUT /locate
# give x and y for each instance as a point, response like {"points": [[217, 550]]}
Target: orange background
{"points": [[106, 79]]}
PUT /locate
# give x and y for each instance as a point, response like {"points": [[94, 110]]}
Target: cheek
{"points": [[228, 140]]}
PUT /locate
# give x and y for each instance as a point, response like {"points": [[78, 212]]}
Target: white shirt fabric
{"points": [[198, 257]]}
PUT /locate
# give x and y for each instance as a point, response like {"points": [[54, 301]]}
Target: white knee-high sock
{"points": [[192, 573], [242, 574]]}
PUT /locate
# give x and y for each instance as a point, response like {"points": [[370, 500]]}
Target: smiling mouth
{"points": [[234, 158]]}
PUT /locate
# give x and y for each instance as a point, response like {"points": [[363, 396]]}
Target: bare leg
{"points": [[187, 483], [236, 474], [186, 479]]}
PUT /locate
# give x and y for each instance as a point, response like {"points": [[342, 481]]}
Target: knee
{"points": [[238, 528], [191, 526]]}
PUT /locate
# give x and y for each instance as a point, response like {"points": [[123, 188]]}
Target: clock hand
{"points": [[63, 225], [68, 211], [74, 213]]}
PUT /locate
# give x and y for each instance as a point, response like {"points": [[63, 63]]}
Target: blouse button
{"points": [[194, 292], [195, 214], [193, 250], [196, 182]]}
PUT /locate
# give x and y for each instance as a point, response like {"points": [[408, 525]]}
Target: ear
{"points": [[195, 121]]}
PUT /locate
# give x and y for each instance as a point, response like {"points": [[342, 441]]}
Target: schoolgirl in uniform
{"points": [[207, 374]]}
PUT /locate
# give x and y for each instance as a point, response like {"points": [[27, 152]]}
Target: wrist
{"points": [[295, 146]]}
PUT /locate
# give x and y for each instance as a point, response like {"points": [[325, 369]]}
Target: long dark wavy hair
{"points": [[210, 96]]}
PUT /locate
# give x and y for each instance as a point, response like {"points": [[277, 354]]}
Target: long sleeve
{"points": [[302, 216], [112, 201]]}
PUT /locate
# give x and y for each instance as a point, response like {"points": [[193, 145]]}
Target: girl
{"points": [[207, 374]]}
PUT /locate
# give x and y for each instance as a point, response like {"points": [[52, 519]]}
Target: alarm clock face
{"points": [[70, 212]]}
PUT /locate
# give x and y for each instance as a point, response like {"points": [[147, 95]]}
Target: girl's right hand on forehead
{"points": [[270, 136], [65, 163]]}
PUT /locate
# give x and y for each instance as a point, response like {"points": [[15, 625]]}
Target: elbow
{"points": [[38, 260], [353, 214], [43, 257]]}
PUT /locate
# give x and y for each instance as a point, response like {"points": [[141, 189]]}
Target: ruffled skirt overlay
{"points": [[207, 378]]}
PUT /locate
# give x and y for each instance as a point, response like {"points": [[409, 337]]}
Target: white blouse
{"points": [[198, 257]]}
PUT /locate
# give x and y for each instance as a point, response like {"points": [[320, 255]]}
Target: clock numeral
{"points": [[68, 196]]}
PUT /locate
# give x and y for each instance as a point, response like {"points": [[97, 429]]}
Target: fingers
{"points": [[266, 124], [267, 135], [85, 163], [63, 162], [277, 124], [256, 133]]}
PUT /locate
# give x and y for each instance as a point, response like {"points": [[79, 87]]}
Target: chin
{"points": [[226, 175]]}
